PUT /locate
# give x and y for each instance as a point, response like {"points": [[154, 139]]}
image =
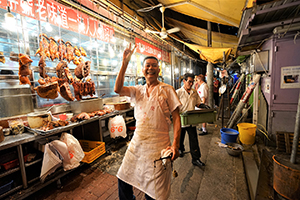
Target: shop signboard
{"points": [[3, 4], [147, 49], [63, 16]]}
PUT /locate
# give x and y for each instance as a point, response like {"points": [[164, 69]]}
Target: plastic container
{"points": [[228, 135], [5, 188], [247, 133], [13, 163], [132, 128], [198, 116], [92, 150]]}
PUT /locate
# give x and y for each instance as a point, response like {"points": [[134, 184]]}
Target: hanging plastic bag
{"points": [[117, 127], [75, 151], [62, 148], [51, 162]]}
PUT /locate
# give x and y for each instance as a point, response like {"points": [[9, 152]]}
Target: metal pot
{"points": [[36, 119], [86, 105]]}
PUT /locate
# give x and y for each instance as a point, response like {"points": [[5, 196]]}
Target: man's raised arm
{"points": [[119, 85]]}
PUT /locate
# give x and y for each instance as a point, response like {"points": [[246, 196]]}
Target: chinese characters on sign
{"points": [[150, 50], [290, 77], [60, 15]]}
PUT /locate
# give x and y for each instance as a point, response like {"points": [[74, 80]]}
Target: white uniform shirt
{"points": [[203, 92], [189, 101]]}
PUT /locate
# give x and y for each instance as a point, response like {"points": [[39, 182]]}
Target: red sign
{"points": [[104, 32], [63, 16], [151, 50], [3, 4]]}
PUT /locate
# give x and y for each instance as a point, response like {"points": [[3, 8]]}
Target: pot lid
{"points": [[38, 114]]}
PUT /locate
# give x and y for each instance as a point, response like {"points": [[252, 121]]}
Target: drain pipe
{"points": [[296, 134]]}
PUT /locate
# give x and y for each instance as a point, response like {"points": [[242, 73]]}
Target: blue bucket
{"points": [[228, 135]]}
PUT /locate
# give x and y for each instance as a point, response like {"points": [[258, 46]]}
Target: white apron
{"points": [[150, 137]]}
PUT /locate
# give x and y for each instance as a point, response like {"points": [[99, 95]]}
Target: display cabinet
{"points": [[23, 180]]}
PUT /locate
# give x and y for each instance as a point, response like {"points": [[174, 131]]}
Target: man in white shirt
{"points": [[204, 95], [189, 99]]}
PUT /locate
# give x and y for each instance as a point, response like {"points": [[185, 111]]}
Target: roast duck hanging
{"points": [[51, 87]]}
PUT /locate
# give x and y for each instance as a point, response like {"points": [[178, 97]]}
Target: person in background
{"points": [[196, 85], [154, 102], [216, 90], [189, 99], [203, 94]]}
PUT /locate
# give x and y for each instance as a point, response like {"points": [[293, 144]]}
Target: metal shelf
{"points": [[33, 162], [9, 172]]}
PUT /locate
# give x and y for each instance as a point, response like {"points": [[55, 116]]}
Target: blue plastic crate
{"points": [[5, 188]]}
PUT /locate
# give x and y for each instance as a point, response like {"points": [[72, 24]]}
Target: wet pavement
{"points": [[223, 177]]}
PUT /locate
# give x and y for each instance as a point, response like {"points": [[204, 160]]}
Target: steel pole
{"points": [[210, 69], [296, 134]]}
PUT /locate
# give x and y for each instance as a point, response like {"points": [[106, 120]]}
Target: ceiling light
{"points": [[113, 40], [81, 25], [9, 17], [124, 43], [48, 27], [105, 62], [74, 40]]}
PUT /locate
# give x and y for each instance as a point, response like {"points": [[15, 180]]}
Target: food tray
{"points": [[92, 150], [52, 131], [13, 163], [195, 117], [5, 188]]}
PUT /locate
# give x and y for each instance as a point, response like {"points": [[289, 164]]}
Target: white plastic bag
{"points": [[50, 162], [117, 127], [75, 151], [62, 148]]}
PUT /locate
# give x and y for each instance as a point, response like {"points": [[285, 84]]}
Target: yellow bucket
{"points": [[247, 133]]}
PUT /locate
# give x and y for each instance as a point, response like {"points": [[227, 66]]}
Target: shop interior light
{"points": [[191, 71], [159, 56], [90, 47], [111, 53], [105, 62], [120, 54], [101, 50], [113, 40], [124, 43], [74, 40], [114, 63], [48, 27], [81, 25], [163, 65], [9, 17], [133, 58], [176, 70]]}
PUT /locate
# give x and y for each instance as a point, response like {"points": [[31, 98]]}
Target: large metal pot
{"points": [[36, 119], [86, 105], [15, 101]]}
